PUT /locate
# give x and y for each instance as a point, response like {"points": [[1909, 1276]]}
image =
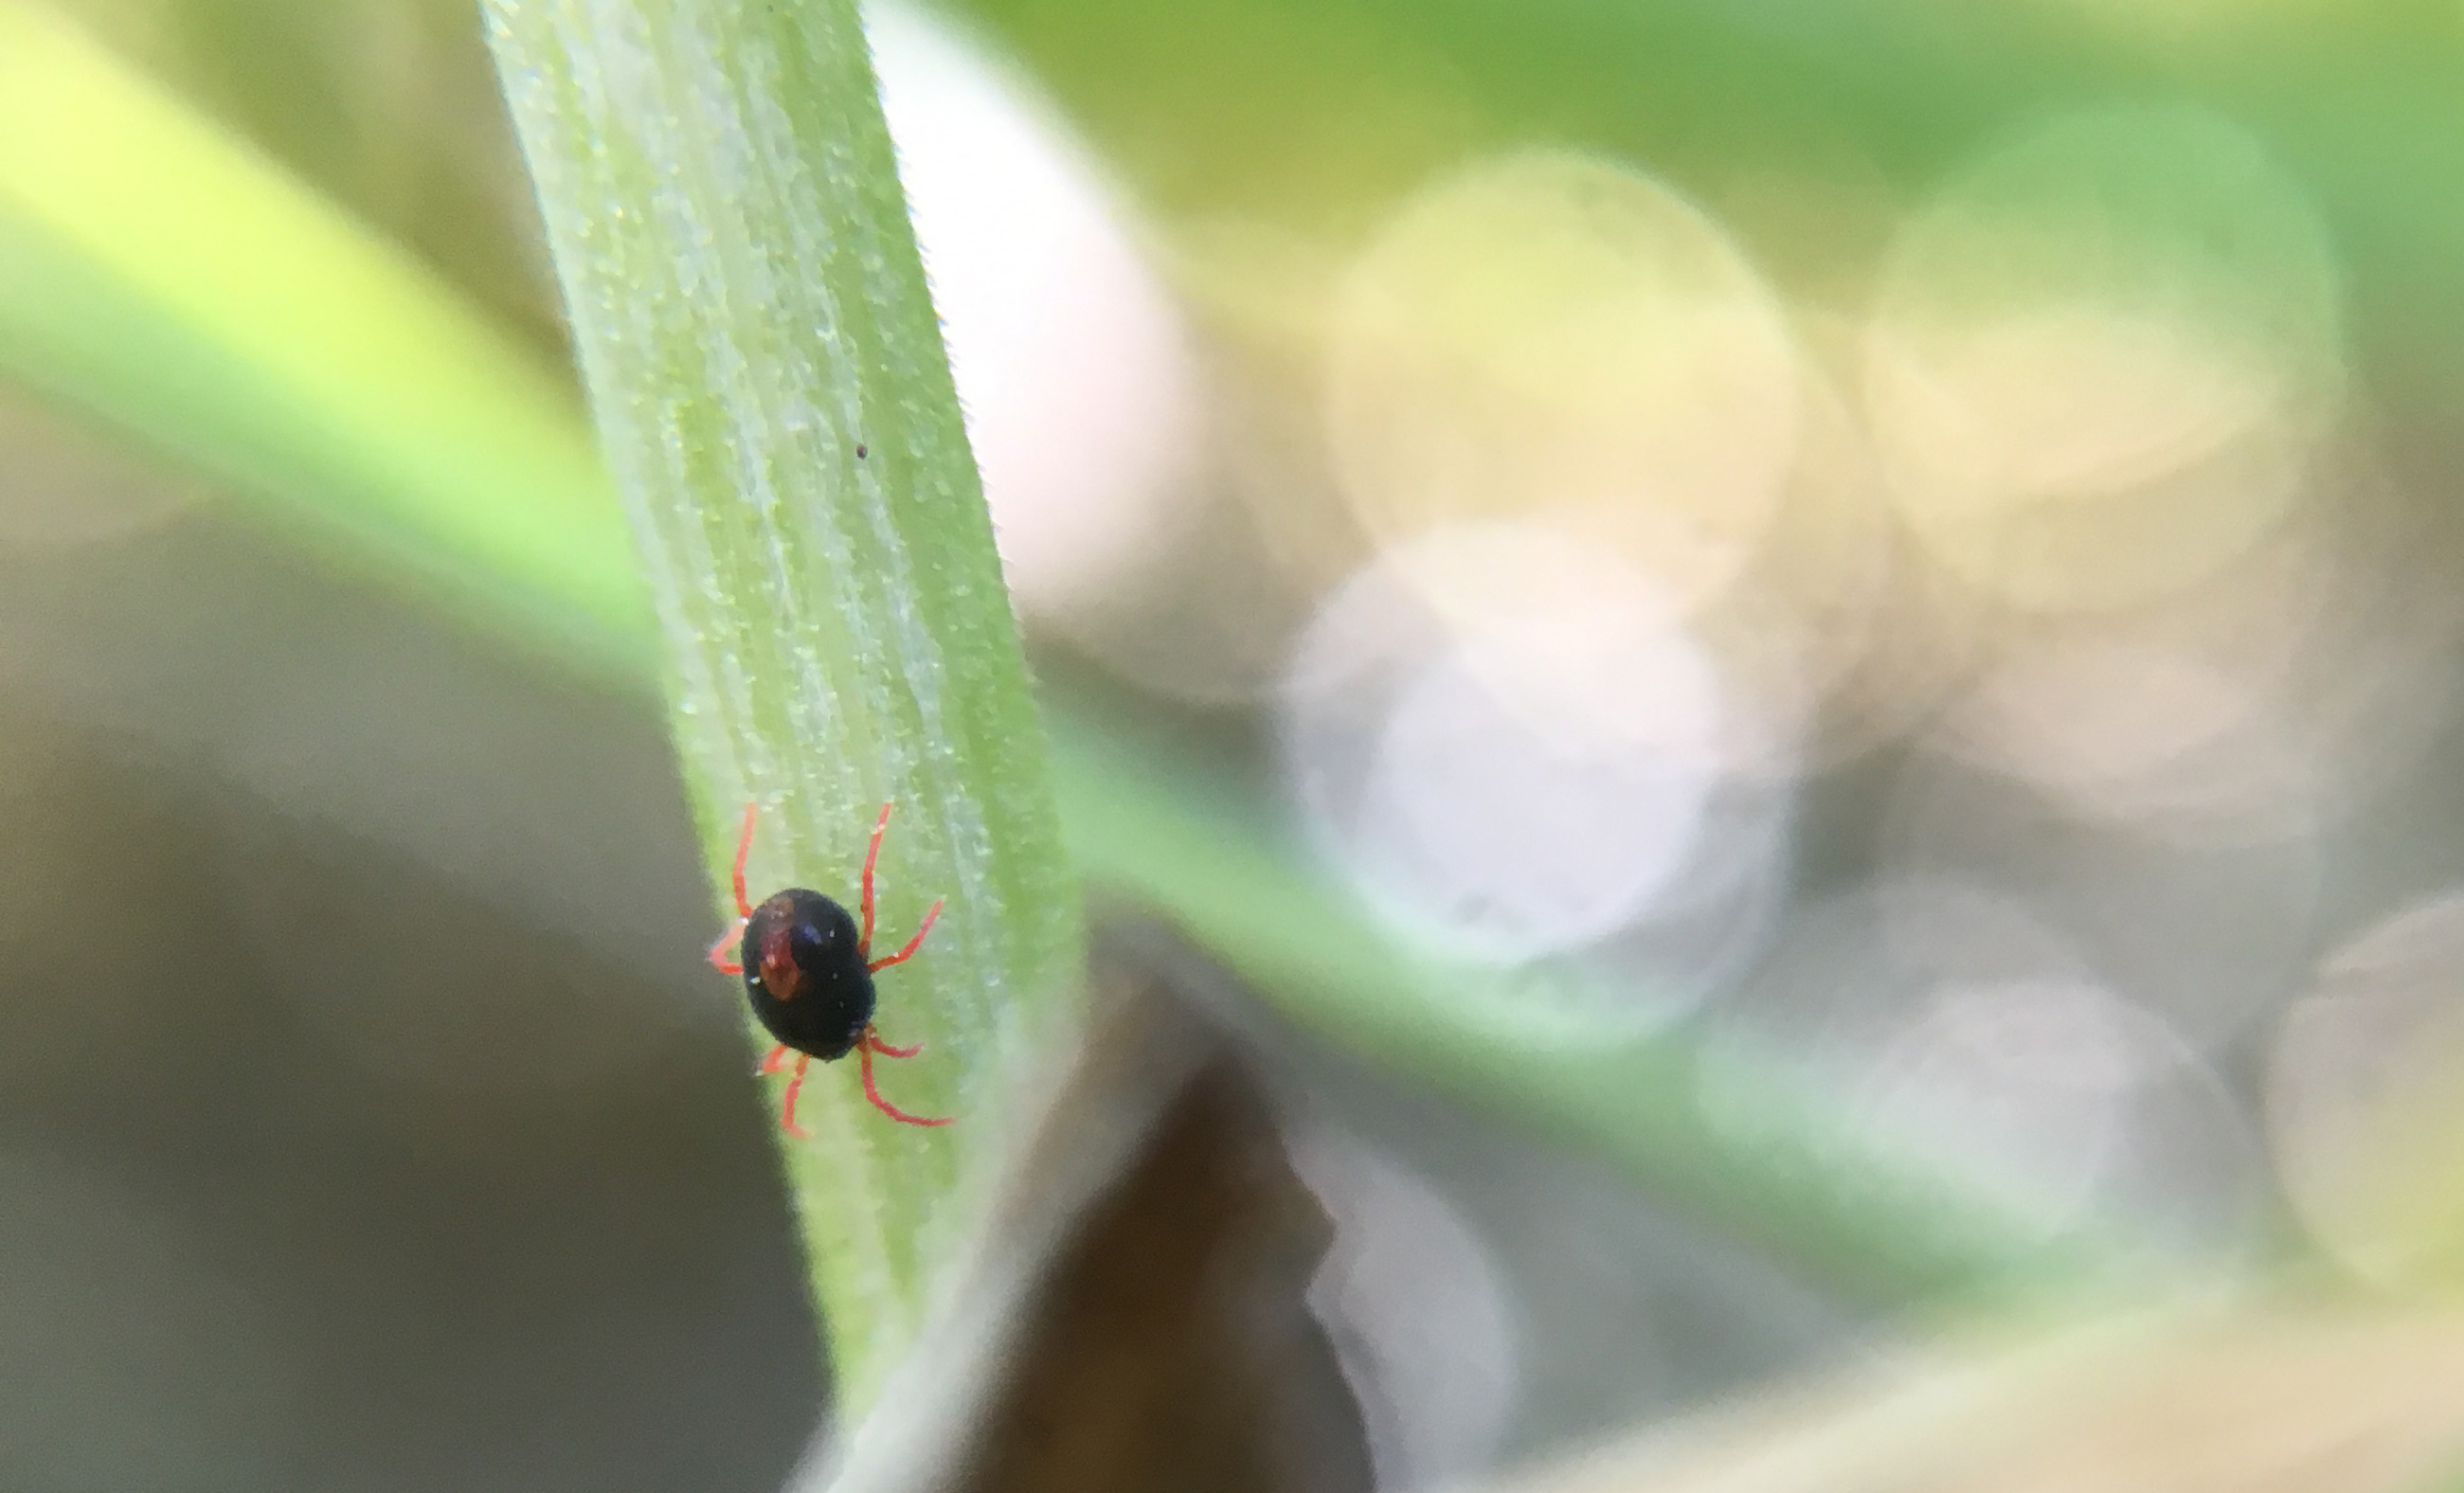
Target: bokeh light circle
{"points": [[1509, 740], [1554, 338], [2100, 358], [2365, 1096], [1948, 1025], [2207, 931]]}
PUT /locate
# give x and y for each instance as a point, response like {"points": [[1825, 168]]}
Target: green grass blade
{"points": [[771, 391], [163, 276]]}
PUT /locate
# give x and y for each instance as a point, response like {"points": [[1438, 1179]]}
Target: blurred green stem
{"points": [[767, 373]]}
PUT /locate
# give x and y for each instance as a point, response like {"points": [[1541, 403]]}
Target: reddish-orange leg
{"points": [[776, 1063], [871, 853], [864, 936], [871, 1041], [721, 957], [787, 1112], [865, 1049], [722, 953], [913, 944]]}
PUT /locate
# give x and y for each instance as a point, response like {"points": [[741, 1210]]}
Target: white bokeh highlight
{"points": [[1510, 741], [1073, 363]]}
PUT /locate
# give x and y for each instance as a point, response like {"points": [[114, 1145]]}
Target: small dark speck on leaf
{"points": [[859, 454]]}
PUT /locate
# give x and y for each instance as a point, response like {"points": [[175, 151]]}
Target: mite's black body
{"points": [[807, 968], [804, 972]]}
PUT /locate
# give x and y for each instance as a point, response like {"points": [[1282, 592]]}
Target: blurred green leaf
{"points": [[163, 276], [388, 109]]}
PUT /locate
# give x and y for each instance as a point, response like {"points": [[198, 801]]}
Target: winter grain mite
{"points": [[807, 970]]}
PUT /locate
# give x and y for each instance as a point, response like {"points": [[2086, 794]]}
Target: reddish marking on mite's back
{"points": [[780, 970]]}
